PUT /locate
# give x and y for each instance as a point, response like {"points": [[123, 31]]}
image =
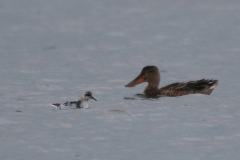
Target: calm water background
{"points": [[54, 51]]}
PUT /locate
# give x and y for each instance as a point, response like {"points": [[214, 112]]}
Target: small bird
{"points": [[81, 103], [151, 75]]}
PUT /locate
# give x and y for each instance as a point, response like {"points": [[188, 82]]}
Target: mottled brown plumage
{"points": [[151, 75]]}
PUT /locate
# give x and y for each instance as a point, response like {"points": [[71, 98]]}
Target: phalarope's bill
{"points": [[81, 103], [151, 75]]}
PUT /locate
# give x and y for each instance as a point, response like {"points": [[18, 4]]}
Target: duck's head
{"points": [[149, 74], [88, 95]]}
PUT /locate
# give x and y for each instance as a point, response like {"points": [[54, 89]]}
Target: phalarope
{"points": [[81, 103], [151, 75]]}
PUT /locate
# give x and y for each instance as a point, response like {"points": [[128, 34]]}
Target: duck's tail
{"points": [[57, 105], [214, 83], [204, 86]]}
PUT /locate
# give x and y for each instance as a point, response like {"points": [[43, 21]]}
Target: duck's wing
{"points": [[68, 105], [203, 86], [72, 104]]}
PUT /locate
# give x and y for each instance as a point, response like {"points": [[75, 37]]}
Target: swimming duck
{"points": [[151, 75], [81, 103]]}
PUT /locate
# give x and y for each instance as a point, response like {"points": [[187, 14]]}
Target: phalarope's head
{"points": [[88, 95], [149, 74]]}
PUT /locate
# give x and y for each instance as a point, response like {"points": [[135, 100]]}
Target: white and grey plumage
{"points": [[81, 103]]}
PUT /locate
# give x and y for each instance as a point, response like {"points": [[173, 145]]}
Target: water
{"points": [[54, 51]]}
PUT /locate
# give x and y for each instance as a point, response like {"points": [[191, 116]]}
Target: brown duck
{"points": [[151, 75]]}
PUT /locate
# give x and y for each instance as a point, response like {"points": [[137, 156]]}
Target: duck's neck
{"points": [[151, 89]]}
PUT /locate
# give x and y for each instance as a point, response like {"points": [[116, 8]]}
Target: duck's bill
{"points": [[93, 98], [136, 81]]}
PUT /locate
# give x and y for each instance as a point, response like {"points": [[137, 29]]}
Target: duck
{"points": [[151, 75], [81, 103]]}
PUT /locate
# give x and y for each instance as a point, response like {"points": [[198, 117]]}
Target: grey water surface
{"points": [[55, 50]]}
